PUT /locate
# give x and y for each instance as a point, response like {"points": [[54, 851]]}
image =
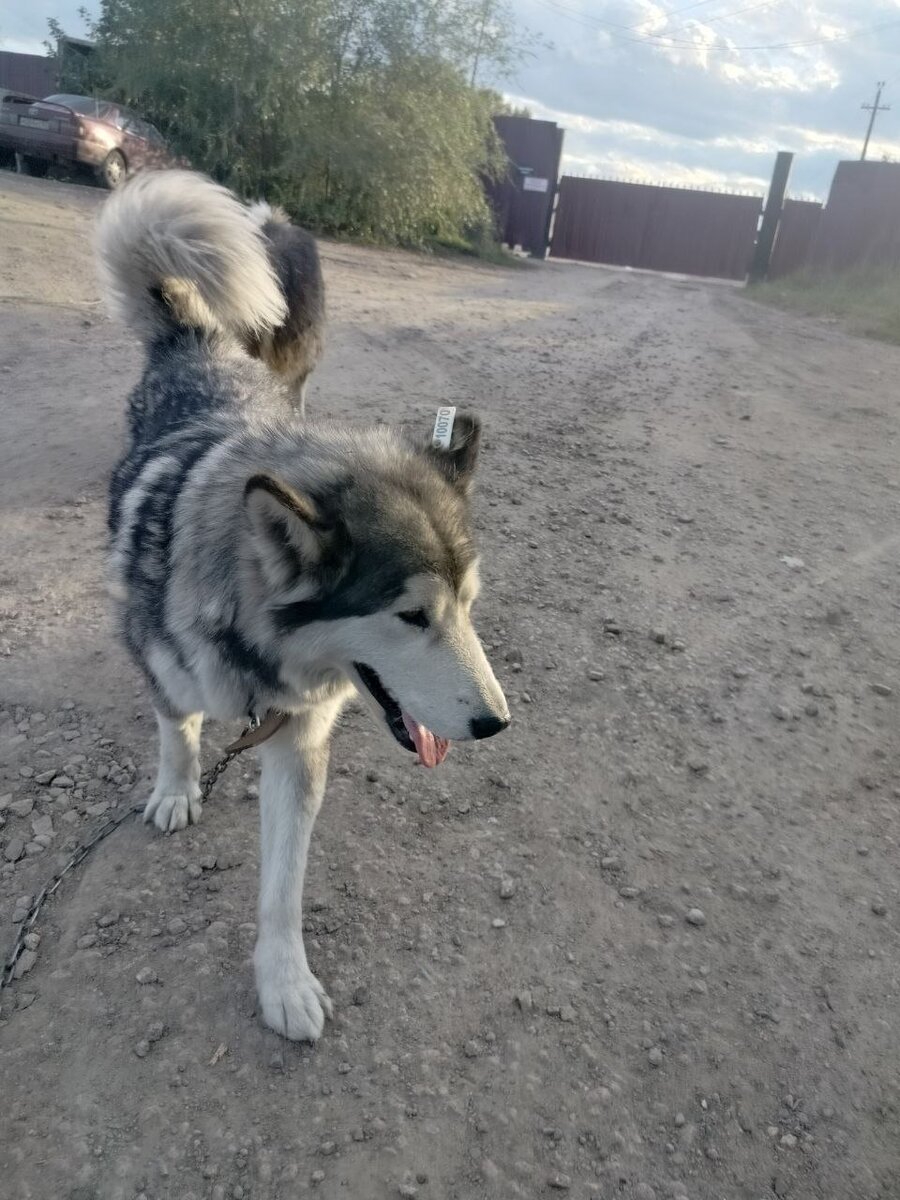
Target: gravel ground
{"points": [[646, 944]]}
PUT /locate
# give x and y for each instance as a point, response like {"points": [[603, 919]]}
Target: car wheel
{"points": [[113, 170]]}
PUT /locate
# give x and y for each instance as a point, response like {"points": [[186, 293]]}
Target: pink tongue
{"points": [[432, 750]]}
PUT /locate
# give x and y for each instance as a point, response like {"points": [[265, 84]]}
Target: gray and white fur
{"points": [[293, 348], [261, 563]]}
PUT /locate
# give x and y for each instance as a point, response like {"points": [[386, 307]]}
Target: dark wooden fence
{"points": [[655, 228]]}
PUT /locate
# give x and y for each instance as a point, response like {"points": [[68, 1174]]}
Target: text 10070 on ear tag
{"points": [[443, 428]]}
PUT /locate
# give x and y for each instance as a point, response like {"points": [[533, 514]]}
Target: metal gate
{"points": [[523, 200], [656, 228]]}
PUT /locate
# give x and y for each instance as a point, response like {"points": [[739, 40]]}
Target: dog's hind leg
{"points": [[294, 768], [175, 802]]}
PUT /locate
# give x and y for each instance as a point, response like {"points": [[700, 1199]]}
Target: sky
{"points": [[694, 92]]}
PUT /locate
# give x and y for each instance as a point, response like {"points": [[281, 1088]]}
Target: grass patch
{"points": [[484, 249], [866, 302]]}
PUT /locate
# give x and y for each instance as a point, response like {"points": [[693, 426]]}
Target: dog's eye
{"points": [[418, 617]]}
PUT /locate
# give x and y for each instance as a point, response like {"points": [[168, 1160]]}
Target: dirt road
{"points": [[688, 509]]}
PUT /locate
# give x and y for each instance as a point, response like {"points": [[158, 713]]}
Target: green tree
{"points": [[360, 116]]}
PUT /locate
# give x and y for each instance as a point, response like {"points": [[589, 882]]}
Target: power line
{"points": [[665, 40]]}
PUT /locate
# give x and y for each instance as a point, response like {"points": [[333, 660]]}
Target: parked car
{"points": [[109, 138]]}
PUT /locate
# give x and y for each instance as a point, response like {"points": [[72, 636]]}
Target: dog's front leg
{"points": [[294, 767], [175, 802]]}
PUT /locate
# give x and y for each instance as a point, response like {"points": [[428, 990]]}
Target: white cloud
{"points": [[680, 96]]}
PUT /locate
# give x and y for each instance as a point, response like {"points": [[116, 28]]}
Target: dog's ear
{"points": [[287, 533], [457, 461]]}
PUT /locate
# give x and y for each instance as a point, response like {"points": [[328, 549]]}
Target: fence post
{"points": [[765, 239]]}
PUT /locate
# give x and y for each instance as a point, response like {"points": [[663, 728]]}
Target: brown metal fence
{"points": [[523, 200], [860, 224], [30, 73], [797, 230], [655, 228]]}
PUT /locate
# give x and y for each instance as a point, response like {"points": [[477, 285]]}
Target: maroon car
{"points": [[110, 139]]}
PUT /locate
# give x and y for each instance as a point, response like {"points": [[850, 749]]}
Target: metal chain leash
{"points": [[207, 782]]}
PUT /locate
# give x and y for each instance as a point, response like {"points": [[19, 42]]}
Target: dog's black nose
{"points": [[485, 727]]}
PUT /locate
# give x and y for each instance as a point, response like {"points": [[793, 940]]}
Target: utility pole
{"points": [[874, 109]]}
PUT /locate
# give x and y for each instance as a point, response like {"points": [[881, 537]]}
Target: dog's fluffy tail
{"points": [[174, 248]]}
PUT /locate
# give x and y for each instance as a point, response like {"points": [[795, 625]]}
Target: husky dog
{"points": [[292, 348], [265, 565]]}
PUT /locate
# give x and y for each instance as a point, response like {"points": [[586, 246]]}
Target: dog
{"points": [[265, 565], [294, 347]]}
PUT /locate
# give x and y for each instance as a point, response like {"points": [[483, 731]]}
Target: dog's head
{"points": [[376, 576]]}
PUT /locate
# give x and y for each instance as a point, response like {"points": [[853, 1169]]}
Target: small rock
{"points": [[655, 1057], [360, 996], [811, 709], [659, 636], [666, 920], [879, 908], [408, 1190], [498, 923], [146, 975], [629, 893], [567, 1014], [327, 1148], [507, 888], [611, 863], [108, 919], [85, 942], [695, 916], [789, 1141], [596, 675], [317, 1177], [14, 850], [45, 777], [142, 1048], [561, 1183], [155, 1031], [882, 689], [42, 826], [643, 1191], [32, 941], [26, 772], [176, 926], [471, 1049], [698, 765], [781, 713], [63, 781], [25, 962], [525, 1000], [22, 808]]}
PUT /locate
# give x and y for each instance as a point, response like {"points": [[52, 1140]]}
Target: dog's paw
{"points": [[291, 999], [169, 809]]}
